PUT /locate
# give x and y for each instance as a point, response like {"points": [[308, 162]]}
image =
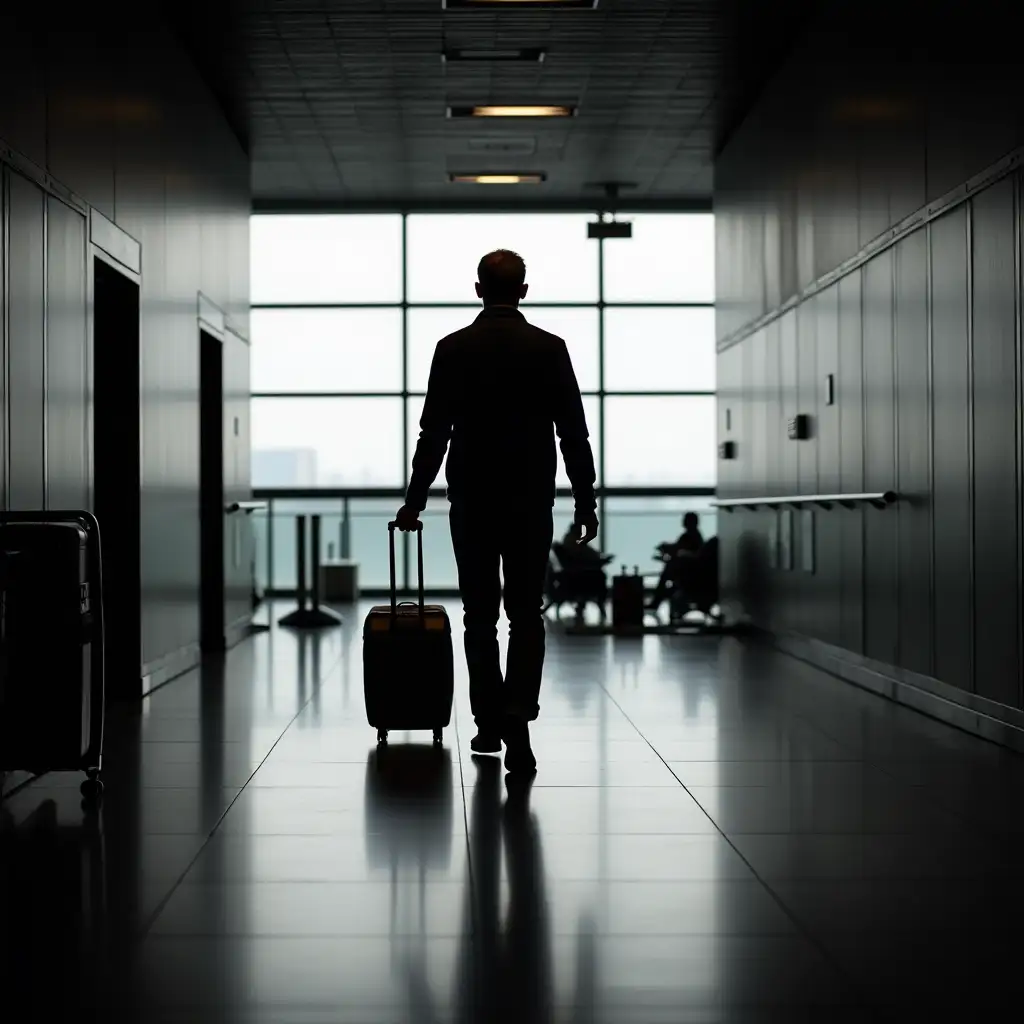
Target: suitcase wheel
{"points": [[437, 737], [91, 789], [382, 737]]}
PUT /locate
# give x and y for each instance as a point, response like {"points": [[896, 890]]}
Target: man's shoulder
{"points": [[542, 337], [462, 334]]}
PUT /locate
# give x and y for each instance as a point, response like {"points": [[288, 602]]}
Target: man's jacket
{"points": [[499, 391]]}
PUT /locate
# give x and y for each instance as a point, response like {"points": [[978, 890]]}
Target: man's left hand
{"points": [[407, 519]]}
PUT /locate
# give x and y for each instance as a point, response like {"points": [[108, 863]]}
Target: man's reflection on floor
{"points": [[509, 960], [504, 964]]}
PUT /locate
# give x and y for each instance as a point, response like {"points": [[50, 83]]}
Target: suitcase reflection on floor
{"points": [[410, 807], [410, 804]]}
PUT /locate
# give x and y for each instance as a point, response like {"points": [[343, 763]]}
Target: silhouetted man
{"points": [[499, 390]]}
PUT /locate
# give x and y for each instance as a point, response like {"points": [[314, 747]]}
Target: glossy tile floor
{"points": [[715, 834]]}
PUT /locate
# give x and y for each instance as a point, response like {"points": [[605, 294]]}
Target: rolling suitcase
{"points": [[408, 668], [53, 699], [628, 602]]}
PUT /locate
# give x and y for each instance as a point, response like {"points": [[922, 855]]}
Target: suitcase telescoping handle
{"points": [[419, 565]]}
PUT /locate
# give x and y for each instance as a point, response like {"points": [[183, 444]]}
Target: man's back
{"points": [[501, 386]]}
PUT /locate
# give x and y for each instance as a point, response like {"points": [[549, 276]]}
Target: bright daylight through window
{"points": [[347, 310]]}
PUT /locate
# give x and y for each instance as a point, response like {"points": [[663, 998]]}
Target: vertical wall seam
{"points": [[45, 297], [862, 513], [5, 263], [930, 420], [972, 554], [894, 279], [1017, 439]]}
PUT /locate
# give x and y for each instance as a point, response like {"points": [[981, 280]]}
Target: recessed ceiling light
{"points": [[491, 178], [455, 4], [515, 110], [532, 55]]}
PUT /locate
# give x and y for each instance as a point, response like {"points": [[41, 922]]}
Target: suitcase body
{"points": [[408, 664], [628, 602], [53, 699]]}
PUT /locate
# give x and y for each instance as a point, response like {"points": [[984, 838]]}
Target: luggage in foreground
{"points": [[51, 718], [408, 668], [628, 602]]}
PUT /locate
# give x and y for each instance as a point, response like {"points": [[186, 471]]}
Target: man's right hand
{"points": [[584, 527]]}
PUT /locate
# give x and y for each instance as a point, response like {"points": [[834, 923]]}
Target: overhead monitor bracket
{"points": [[605, 229]]}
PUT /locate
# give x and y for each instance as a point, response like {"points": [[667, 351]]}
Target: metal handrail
{"points": [[355, 493], [878, 499], [248, 507]]}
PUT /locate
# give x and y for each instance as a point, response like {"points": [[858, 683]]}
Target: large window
{"points": [[326, 258], [444, 249], [347, 312]]}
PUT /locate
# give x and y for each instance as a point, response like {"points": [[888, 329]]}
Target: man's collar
{"points": [[497, 310]]}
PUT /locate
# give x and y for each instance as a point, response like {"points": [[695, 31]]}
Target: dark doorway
{"points": [[117, 475], [211, 491]]}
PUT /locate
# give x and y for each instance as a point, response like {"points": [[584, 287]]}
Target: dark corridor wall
{"points": [[869, 227], [112, 119]]}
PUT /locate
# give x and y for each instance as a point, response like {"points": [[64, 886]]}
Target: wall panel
{"points": [[68, 386], [26, 353], [994, 404], [951, 440], [913, 471], [239, 549], [881, 557], [827, 589], [850, 406]]}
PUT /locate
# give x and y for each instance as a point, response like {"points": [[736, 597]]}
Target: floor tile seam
{"points": [[856, 989], [158, 910], [470, 876]]}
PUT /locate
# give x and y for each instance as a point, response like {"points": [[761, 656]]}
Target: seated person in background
{"points": [[579, 577], [679, 557], [579, 555]]}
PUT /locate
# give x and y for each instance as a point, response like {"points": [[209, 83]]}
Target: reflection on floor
{"points": [[715, 834]]}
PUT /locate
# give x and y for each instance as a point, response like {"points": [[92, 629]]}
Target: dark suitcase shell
{"points": [[628, 602], [408, 663], [53, 699]]}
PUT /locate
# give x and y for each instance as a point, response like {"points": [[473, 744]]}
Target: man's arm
{"points": [[435, 431], [573, 436]]}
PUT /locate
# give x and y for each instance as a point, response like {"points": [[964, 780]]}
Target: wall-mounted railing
{"points": [[877, 499], [248, 507]]}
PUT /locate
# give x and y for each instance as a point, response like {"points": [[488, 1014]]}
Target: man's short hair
{"points": [[501, 274]]}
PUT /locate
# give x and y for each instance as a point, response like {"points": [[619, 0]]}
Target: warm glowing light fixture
{"points": [[513, 110], [529, 55], [527, 178]]}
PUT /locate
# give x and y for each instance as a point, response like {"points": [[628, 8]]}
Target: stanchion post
{"points": [[300, 559], [314, 617], [314, 561]]}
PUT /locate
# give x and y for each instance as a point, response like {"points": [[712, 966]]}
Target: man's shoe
{"points": [[519, 759], [485, 743]]}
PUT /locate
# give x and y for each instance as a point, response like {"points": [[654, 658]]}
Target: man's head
{"points": [[501, 278], [691, 521]]}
